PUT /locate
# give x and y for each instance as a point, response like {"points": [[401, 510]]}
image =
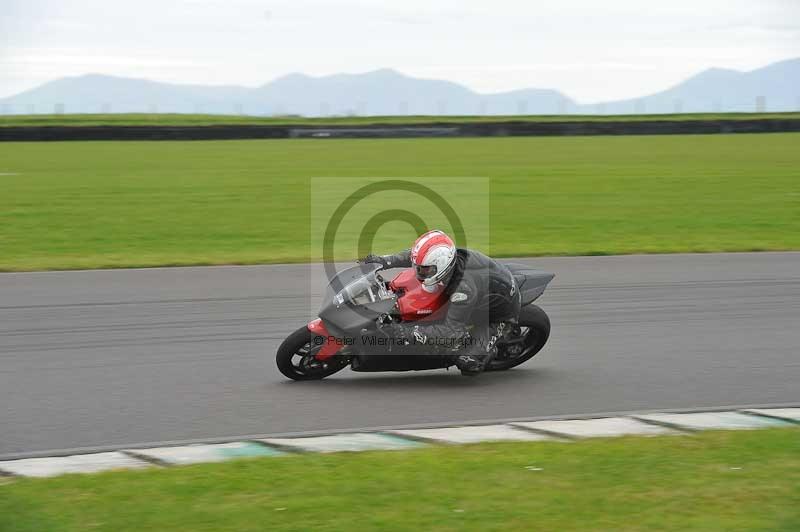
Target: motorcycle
{"points": [[357, 299]]}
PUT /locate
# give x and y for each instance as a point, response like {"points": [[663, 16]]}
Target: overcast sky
{"points": [[591, 50]]}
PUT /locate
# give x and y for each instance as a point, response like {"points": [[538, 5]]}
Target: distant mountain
{"points": [[775, 87], [94, 93], [388, 92], [382, 92]]}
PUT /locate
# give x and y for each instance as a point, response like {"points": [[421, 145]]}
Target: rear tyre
{"points": [[534, 330], [296, 357]]}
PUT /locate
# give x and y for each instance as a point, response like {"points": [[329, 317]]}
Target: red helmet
{"points": [[433, 256]]}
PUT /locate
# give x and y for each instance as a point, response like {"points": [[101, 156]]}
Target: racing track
{"points": [[116, 358]]}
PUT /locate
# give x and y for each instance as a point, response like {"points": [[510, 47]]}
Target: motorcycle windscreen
{"points": [[353, 301]]}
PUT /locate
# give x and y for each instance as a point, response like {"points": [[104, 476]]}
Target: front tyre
{"points": [[532, 334], [296, 358]]}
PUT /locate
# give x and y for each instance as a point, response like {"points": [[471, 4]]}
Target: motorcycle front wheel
{"points": [[296, 357], [533, 332]]}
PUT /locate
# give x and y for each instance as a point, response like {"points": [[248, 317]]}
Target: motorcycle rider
{"points": [[483, 299]]}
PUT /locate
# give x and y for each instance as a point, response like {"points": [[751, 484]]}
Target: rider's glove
{"points": [[375, 259]]}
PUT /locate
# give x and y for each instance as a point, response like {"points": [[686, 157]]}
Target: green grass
{"points": [[115, 204], [735, 480], [141, 119]]}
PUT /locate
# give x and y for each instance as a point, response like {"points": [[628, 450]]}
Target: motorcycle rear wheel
{"points": [[296, 357], [535, 329]]}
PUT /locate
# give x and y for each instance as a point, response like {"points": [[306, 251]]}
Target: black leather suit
{"points": [[483, 297]]}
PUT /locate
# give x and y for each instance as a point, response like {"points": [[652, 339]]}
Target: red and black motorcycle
{"points": [[347, 332]]}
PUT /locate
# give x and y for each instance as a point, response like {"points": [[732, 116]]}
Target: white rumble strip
{"points": [[714, 420], [789, 414], [473, 434], [554, 430], [80, 463], [343, 442], [597, 428]]}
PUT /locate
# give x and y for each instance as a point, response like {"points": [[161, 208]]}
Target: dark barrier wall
{"points": [[444, 129]]}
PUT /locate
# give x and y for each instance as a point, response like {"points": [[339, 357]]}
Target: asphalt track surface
{"points": [[127, 357]]}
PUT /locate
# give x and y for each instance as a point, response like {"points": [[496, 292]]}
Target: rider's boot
{"points": [[471, 364]]}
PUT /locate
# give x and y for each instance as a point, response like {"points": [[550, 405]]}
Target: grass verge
{"points": [[734, 480], [167, 119], [133, 204]]}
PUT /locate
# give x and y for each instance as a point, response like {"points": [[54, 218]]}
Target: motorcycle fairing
{"points": [[530, 281], [416, 303], [330, 347]]}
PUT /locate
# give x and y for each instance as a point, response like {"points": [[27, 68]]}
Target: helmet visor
{"points": [[425, 272]]}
